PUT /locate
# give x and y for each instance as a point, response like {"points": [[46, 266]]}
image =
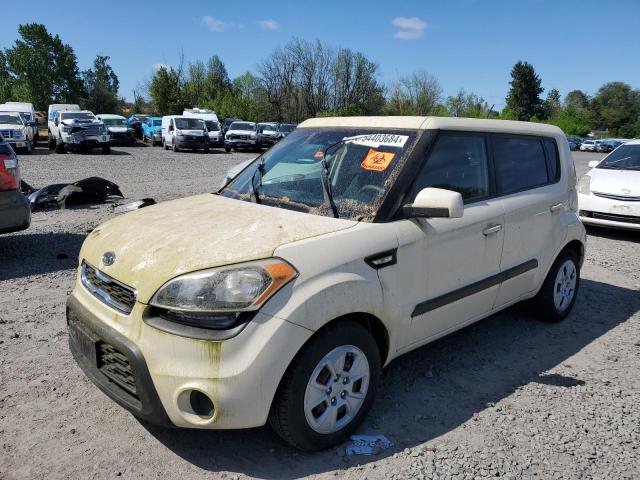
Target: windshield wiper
{"points": [[325, 180], [254, 190]]}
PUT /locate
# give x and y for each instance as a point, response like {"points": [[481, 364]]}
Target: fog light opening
{"points": [[201, 404]]}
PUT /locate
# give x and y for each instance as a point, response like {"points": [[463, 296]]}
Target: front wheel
{"points": [[328, 388], [175, 146], [227, 149], [560, 289], [106, 150]]}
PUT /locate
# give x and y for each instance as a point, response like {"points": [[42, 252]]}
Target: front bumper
{"points": [[86, 141], [22, 143], [607, 212], [121, 138], [15, 213], [239, 375], [189, 142], [240, 143]]}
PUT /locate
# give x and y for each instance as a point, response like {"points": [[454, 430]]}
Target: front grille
{"points": [[7, 133], [622, 198], [610, 216], [115, 294], [115, 366], [93, 130], [119, 135]]}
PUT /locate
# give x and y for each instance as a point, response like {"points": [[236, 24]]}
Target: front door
{"points": [[448, 269]]}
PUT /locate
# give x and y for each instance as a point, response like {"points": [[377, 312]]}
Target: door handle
{"points": [[492, 229], [556, 207]]}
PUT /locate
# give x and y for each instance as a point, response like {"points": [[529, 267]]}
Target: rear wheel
{"points": [[328, 388], [560, 289]]}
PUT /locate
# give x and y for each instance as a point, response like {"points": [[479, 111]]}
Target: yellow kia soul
{"points": [[352, 241]]}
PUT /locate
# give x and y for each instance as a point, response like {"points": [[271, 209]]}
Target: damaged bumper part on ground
{"points": [[91, 190]]}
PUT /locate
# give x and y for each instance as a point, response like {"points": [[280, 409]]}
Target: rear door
{"points": [[528, 180]]}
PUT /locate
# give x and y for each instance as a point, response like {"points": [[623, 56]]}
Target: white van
{"points": [[216, 139], [27, 113], [183, 132], [352, 241]]}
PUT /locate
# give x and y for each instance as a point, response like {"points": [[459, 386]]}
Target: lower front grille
{"points": [[613, 217], [115, 366]]}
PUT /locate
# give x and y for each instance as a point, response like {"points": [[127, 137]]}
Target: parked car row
{"points": [[590, 145]]}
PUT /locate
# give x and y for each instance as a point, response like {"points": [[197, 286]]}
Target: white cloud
{"points": [[269, 24], [213, 24], [158, 66], [409, 28]]}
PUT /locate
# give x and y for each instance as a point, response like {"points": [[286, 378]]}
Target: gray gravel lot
{"points": [[508, 397]]}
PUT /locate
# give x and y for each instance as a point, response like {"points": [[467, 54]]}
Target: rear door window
{"points": [[520, 163]]}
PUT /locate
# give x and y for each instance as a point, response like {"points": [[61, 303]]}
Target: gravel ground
{"points": [[507, 397]]}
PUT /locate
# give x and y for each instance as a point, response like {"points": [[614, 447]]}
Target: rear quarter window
{"points": [[520, 163]]}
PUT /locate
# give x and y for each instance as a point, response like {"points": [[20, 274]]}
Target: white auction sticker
{"points": [[379, 140]]}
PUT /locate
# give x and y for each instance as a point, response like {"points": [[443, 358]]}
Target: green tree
{"points": [[45, 70], [217, 81], [523, 99], [101, 86], [469, 105], [552, 105], [576, 99], [616, 107], [195, 86], [166, 89], [6, 80]]}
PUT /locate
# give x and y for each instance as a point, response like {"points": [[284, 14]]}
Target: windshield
{"points": [[272, 127], [242, 126], [156, 123], [625, 157], [286, 128], [212, 126], [77, 116], [11, 119], [361, 170], [189, 124], [114, 122]]}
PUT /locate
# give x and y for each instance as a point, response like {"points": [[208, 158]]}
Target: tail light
{"points": [[9, 171]]}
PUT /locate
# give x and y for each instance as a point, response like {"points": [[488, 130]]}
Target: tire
{"points": [[174, 146], [164, 145], [106, 150], [289, 417], [206, 150], [560, 289], [28, 148], [51, 143], [227, 149], [59, 146]]}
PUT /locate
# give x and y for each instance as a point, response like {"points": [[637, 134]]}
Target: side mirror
{"points": [[435, 203], [171, 128], [593, 163], [56, 122]]}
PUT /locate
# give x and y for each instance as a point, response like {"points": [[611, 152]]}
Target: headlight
{"points": [[19, 134], [218, 292], [66, 129], [179, 133], [584, 185]]}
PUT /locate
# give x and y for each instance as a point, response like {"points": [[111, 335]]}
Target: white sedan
{"points": [[609, 194]]}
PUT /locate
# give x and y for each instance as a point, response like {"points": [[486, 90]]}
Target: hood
{"points": [[615, 182], [160, 242], [240, 132], [11, 126], [74, 122]]}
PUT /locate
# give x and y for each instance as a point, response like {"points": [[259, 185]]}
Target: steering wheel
{"points": [[373, 188]]}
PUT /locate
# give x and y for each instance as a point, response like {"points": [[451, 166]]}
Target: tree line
{"points": [[299, 80]]}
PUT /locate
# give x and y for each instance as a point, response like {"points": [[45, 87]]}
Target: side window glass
{"points": [[520, 163], [552, 159], [458, 163]]}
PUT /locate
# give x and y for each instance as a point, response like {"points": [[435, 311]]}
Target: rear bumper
{"points": [[608, 212], [15, 213]]}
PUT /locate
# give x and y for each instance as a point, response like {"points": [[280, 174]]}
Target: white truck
{"points": [[27, 113], [15, 131], [75, 129], [216, 138]]}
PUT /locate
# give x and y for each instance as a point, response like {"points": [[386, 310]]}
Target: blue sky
{"points": [[470, 44]]}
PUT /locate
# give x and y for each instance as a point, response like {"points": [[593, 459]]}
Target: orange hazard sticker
{"points": [[319, 155], [377, 161]]}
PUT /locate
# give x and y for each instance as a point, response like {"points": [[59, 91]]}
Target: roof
{"points": [[633, 142], [435, 123]]}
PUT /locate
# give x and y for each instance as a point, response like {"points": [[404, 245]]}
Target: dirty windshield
{"points": [[362, 164], [12, 119]]}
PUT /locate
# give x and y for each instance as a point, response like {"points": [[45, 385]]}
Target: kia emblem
{"points": [[108, 258]]}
